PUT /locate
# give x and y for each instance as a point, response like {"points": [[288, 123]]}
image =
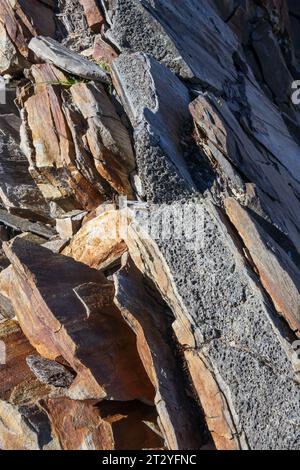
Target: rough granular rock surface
{"points": [[149, 225], [156, 102], [50, 372], [234, 326]]}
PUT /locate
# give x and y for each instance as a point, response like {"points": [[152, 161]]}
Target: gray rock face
{"points": [[54, 53], [236, 330], [22, 225], [277, 183], [50, 372], [240, 339], [157, 104], [143, 34], [71, 25], [182, 35], [234, 326], [268, 51]]}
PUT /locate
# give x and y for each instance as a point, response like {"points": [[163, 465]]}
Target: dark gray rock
{"points": [[294, 7], [234, 326], [268, 51], [295, 34], [71, 25], [50, 372], [182, 35], [226, 8], [22, 225], [39, 423], [247, 348], [143, 34], [271, 168]]}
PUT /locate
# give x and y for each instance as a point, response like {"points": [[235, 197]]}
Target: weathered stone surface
{"points": [[50, 372], [18, 192], [67, 423], [102, 51], [152, 323], [23, 425], [5, 280], [79, 425], [263, 125], [157, 103], [52, 52], [69, 224], [93, 14], [99, 243], [13, 43], [272, 169], [47, 152], [106, 426], [68, 311], [106, 136], [199, 320], [251, 335], [72, 28], [165, 31], [6, 308], [18, 385], [268, 51], [22, 225], [278, 273], [87, 155], [224, 319], [25, 428], [214, 402], [19, 21], [56, 245]]}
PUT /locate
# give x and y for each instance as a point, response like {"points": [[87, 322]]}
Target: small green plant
{"points": [[68, 83], [104, 65]]}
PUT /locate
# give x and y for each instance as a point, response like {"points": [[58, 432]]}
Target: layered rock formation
{"points": [[149, 225]]}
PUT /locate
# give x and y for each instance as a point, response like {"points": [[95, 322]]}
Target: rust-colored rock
{"points": [[79, 425], [99, 243], [103, 52], [18, 191], [93, 14], [216, 410], [19, 21], [18, 384], [23, 425], [152, 321], [106, 426], [74, 162], [172, 323], [68, 311], [106, 137], [278, 273]]}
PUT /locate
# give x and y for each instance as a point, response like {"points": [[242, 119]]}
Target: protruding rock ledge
{"points": [[51, 51], [67, 310]]}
